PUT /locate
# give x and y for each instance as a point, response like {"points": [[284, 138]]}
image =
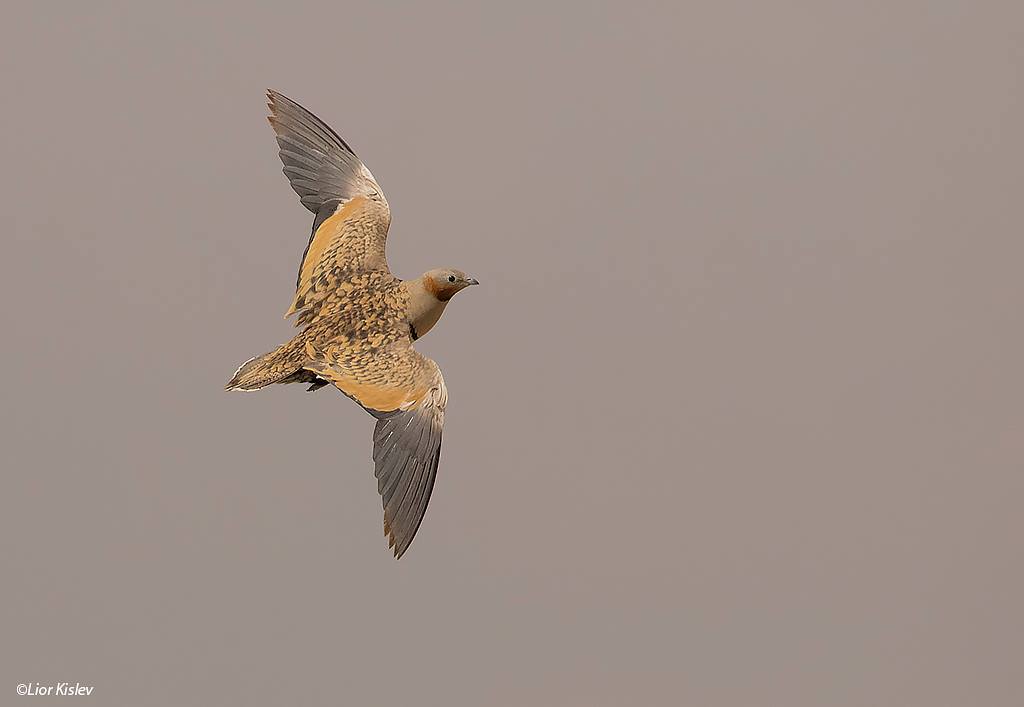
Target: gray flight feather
{"points": [[406, 449]]}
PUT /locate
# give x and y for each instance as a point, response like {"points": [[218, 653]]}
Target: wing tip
{"points": [[393, 544], [275, 102], [275, 96]]}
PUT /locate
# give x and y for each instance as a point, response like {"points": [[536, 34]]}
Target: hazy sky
{"points": [[736, 417]]}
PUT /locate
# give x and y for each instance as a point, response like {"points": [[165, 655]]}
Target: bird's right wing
{"points": [[405, 391], [406, 450], [352, 215]]}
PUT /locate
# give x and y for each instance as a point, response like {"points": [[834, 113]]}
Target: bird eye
{"points": [[451, 278]]}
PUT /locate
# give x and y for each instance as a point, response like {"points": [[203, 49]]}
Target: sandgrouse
{"points": [[358, 320]]}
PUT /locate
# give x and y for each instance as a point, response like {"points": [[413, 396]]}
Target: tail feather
{"points": [[265, 370]]}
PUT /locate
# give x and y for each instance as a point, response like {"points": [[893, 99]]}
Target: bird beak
{"points": [[472, 281]]}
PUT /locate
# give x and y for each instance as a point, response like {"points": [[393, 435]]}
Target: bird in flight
{"points": [[358, 321]]}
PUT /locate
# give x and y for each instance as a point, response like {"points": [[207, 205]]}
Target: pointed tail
{"points": [[267, 369]]}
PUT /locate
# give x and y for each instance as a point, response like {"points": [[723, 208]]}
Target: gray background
{"points": [[735, 418]]}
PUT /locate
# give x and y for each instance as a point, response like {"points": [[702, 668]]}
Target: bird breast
{"points": [[424, 313]]}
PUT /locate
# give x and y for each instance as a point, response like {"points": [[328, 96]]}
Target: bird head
{"points": [[443, 283]]}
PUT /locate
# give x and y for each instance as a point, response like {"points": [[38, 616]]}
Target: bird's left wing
{"points": [[352, 216], [404, 390]]}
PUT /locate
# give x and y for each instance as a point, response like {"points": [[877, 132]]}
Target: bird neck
{"points": [[424, 306]]}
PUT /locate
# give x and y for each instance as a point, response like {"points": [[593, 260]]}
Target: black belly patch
{"points": [[317, 384]]}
